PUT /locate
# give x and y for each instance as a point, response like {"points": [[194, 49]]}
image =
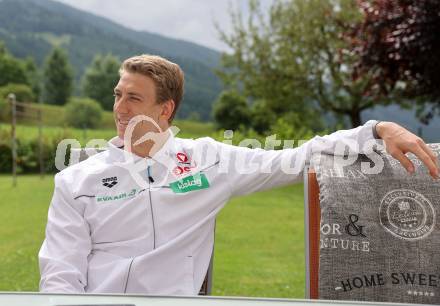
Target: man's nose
{"points": [[120, 106]]}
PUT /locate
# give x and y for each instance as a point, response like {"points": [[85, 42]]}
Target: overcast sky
{"points": [[191, 20]]}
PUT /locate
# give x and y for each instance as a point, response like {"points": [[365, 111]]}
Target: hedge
{"points": [[28, 153]]}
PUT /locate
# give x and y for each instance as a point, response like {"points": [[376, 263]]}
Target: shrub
{"points": [[28, 153], [5, 111], [23, 93], [83, 113]]}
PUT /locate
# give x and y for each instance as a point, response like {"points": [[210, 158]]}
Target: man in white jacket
{"points": [[139, 217]]}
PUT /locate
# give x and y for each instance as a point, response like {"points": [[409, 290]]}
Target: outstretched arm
{"points": [[251, 170]]}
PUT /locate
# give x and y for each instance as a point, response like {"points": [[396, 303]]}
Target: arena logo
{"points": [[407, 214], [110, 181]]}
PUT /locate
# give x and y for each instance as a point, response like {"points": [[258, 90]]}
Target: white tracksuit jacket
{"points": [[147, 225]]}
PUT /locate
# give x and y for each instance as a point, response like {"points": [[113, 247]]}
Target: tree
{"points": [[262, 116], [12, 70], [400, 40], [33, 76], [101, 78], [231, 111], [58, 78], [83, 113], [296, 60], [3, 49]]}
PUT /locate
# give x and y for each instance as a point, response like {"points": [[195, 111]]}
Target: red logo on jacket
{"points": [[182, 157], [185, 164]]}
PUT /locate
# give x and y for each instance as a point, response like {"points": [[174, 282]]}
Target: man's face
{"points": [[135, 94]]}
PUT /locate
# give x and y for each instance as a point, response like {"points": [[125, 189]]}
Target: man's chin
{"points": [[121, 133]]}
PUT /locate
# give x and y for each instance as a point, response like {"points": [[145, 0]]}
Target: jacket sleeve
{"points": [[249, 170], [63, 255]]}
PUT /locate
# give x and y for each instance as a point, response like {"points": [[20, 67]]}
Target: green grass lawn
{"points": [[259, 248]]}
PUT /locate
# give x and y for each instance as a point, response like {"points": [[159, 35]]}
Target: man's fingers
{"points": [[426, 159], [401, 157], [400, 141], [429, 152]]}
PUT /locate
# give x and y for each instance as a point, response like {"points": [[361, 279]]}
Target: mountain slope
{"points": [[33, 27]]}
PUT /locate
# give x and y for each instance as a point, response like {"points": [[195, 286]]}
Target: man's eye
{"points": [[117, 95]]}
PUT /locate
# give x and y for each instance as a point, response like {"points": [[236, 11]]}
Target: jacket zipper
{"points": [[150, 179], [128, 275]]}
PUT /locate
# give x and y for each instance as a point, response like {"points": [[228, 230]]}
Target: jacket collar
{"points": [[117, 152]]}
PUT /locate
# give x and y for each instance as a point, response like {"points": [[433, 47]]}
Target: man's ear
{"points": [[167, 109]]}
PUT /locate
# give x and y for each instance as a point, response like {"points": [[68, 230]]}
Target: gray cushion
{"points": [[380, 235]]}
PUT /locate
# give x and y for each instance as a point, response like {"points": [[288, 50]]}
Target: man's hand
{"points": [[399, 141]]}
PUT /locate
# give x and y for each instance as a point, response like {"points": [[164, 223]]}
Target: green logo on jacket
{"points": [[190, 183], [123, 195]]}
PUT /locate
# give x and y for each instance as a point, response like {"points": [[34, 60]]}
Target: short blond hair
{"points": [[166, 75]]}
